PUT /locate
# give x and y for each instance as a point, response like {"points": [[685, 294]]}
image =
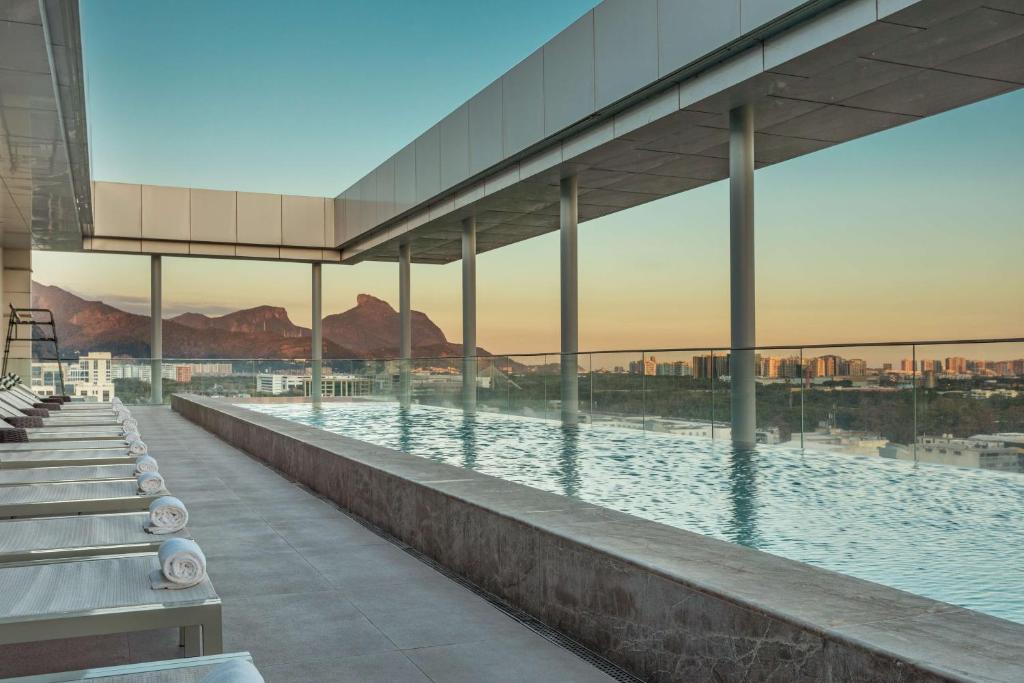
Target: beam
{"points": [[156, 335], [316, 384], [404, 327], [741, 275], [469, 363], [570, 303]]}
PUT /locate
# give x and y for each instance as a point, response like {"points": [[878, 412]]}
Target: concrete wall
{"points": [[17, 291], [665, 603], [132, 218]]}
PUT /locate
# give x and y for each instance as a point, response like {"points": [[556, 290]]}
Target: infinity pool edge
{"points": [[667, 604]]}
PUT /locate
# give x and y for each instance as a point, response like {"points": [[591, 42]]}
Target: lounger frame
{"points": [[106, 672], [199, 622]]}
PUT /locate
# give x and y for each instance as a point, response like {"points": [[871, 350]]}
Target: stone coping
{"points": [[661, 601]]}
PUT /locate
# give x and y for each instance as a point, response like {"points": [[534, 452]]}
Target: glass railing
{"points": [[904, 399]]}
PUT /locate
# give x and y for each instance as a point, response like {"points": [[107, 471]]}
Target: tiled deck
{"points": [[312, 594]]}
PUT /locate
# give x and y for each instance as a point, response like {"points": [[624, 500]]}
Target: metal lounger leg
{"points": [[192, 635], [213, 633]]}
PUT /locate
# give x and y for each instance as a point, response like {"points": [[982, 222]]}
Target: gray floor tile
{"points": [[392, 667], [276, 573], [314, 535], [304, 627], [362, 567], [513, 659], [444, 625]]}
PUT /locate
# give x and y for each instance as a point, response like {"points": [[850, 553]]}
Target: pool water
{"points": [[948, 533]]}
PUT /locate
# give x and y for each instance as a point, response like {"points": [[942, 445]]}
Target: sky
{"points": [[912, 233]]}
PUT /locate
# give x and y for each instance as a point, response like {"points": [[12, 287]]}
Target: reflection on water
{"points": [[945, 532], [467, 435], [743, 497], [568, 470], [404, 429]]}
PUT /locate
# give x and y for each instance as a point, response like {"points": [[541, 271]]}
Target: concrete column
{"points": [[570, 302], [316, 385], [17, 291], [404, 327], [741, 274], [469, 315], [156, 335]]}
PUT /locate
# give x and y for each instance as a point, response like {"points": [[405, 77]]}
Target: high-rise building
{"points": [[956, 365], [857, 367], [710, 365], [644, 366], [907, 365], [679, 368], [826, 366]]}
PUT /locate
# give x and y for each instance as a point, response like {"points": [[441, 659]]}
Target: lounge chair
{"points": [[22, 459], [104, 595], [19, 418], [66, 445], [72, 498], [170, 671], [14, 384], [49, 538], [39, 475]]}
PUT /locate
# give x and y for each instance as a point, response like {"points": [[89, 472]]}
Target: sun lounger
{"points": [[189, 670], [19, 389], [99, 596], [59, 419], [23, 459], [38, 475], [72, 498], [79, 445], [54, 434], [48, 538]]}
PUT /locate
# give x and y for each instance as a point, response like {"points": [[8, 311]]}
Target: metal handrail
{"points": [[538, 354]]}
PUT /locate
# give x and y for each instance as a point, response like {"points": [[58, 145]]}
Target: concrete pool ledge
{"points": [[662, 602]]}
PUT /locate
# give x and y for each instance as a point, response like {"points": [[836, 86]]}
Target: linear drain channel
{"points": [[540, 628]]}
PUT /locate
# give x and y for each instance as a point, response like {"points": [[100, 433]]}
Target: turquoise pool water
{"points": [[949, 533]]}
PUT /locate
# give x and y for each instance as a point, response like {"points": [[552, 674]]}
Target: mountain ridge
{"points": [[368, 330]]}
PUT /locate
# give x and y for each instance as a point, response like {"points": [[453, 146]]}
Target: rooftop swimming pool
{"points": [[948, 533]]}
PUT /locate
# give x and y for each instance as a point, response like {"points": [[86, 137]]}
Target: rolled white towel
{"points": [[131, 436], [182, 563], [167, 515], [146, 463], [235, 671], [129, 426], [138, 447], [150, 482]]}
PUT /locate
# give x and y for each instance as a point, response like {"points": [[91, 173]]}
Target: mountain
{"points": [[370, 329], [249, 321]]}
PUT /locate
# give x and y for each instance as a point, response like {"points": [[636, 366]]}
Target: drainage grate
{"points": [[540, 628]]}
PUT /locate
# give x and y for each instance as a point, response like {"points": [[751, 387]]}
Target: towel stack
{"points": [[150, 483], [167, 515], [146, 463], [182, 565]]}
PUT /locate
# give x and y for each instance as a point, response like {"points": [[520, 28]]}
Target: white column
{"points": [[570, 303], [317, 341], [404, 327], [156, 336], [741, 274], [469, 315]]}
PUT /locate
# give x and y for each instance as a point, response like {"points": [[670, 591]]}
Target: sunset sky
{"points": [[916, 232]]}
